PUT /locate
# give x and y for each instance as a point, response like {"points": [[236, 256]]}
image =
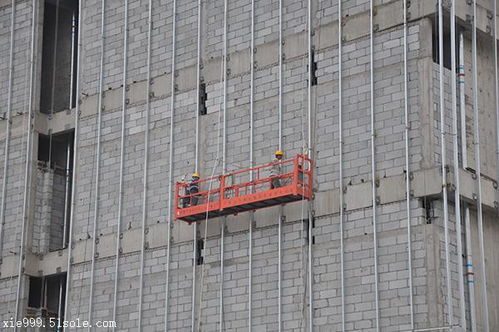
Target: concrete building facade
{"points": [[106, 104]]}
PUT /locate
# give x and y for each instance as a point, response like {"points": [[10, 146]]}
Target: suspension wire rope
{"points": [[443, 142], [97, 160], [280, 215], [478, 174], [170, 167], [455, 147], [373, 163], [75, 163], [27, 173], [146, 160], [8, 118], [407, 170], [54, 72], [122, 162]]}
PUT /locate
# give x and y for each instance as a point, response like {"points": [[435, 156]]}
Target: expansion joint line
{"points": [[170, 166], [97, 161], [373, 165], [146, 162], [122, 161], [407, 170]]}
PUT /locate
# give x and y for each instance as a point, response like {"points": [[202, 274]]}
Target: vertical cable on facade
{"points": [[75, 160], [478, 173], [407, 169], [252, 161], [373, 161], [280, 216], [97, 161], [146, 162], [340, 147], [122, 160], [170, 162], [457, 192], [443, 142], [8, 118], [310, 153]]}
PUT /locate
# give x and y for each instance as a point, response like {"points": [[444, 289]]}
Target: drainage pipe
{"points": [[97, 161], [74, 178], [122, 161], [407, 170], [9, 120], [457, 192], [469, 256], [443, 142], [479, 175], [252, 162], [224, 167], [340, 134], [373, 163], [27, 174], [170, 167], [146, 164]]}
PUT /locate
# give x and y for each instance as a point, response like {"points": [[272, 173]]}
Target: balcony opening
{"points": [[59, 49], [46, 297], [53, 198]]}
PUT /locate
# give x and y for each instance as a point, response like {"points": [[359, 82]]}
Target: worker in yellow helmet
{"points": [[276, 170], [192, 189]]}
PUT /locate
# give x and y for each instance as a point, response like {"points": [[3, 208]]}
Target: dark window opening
{"points": [[306, 230], [55, 156], [446, 45], [202, 99], [313, 69], [59, 49], [46, 296], [199, 252], [429, 210]]}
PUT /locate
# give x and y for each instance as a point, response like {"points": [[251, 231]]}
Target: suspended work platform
{"points": [[245, 190]]}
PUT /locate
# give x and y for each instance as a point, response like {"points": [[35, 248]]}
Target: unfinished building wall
{"points": [[113, 274]]}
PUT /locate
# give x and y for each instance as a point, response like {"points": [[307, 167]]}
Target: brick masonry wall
{"points": [[429, 273]]}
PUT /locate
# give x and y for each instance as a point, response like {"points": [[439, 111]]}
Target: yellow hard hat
{"points": [[279, 153], [195, 175]]}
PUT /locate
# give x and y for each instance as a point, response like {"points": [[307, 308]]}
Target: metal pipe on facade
{"points": [[224, 166], [479, 174], [340, 134], [27, 174], [59, 305], [457, 192], [74, 178], [407, 170], [170, 167], [469, 255], [444, 160], [252, 162], [146, 163], [196, 167], [122, 160], [8, 120], [373, 162], [71, 84], [67, 175], [97, 161]]}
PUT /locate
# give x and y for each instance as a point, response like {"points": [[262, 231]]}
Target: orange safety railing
{"points": [[270, 184]]}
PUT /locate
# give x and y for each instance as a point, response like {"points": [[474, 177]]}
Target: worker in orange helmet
{"points": [[191, 189], [276, 170]]}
